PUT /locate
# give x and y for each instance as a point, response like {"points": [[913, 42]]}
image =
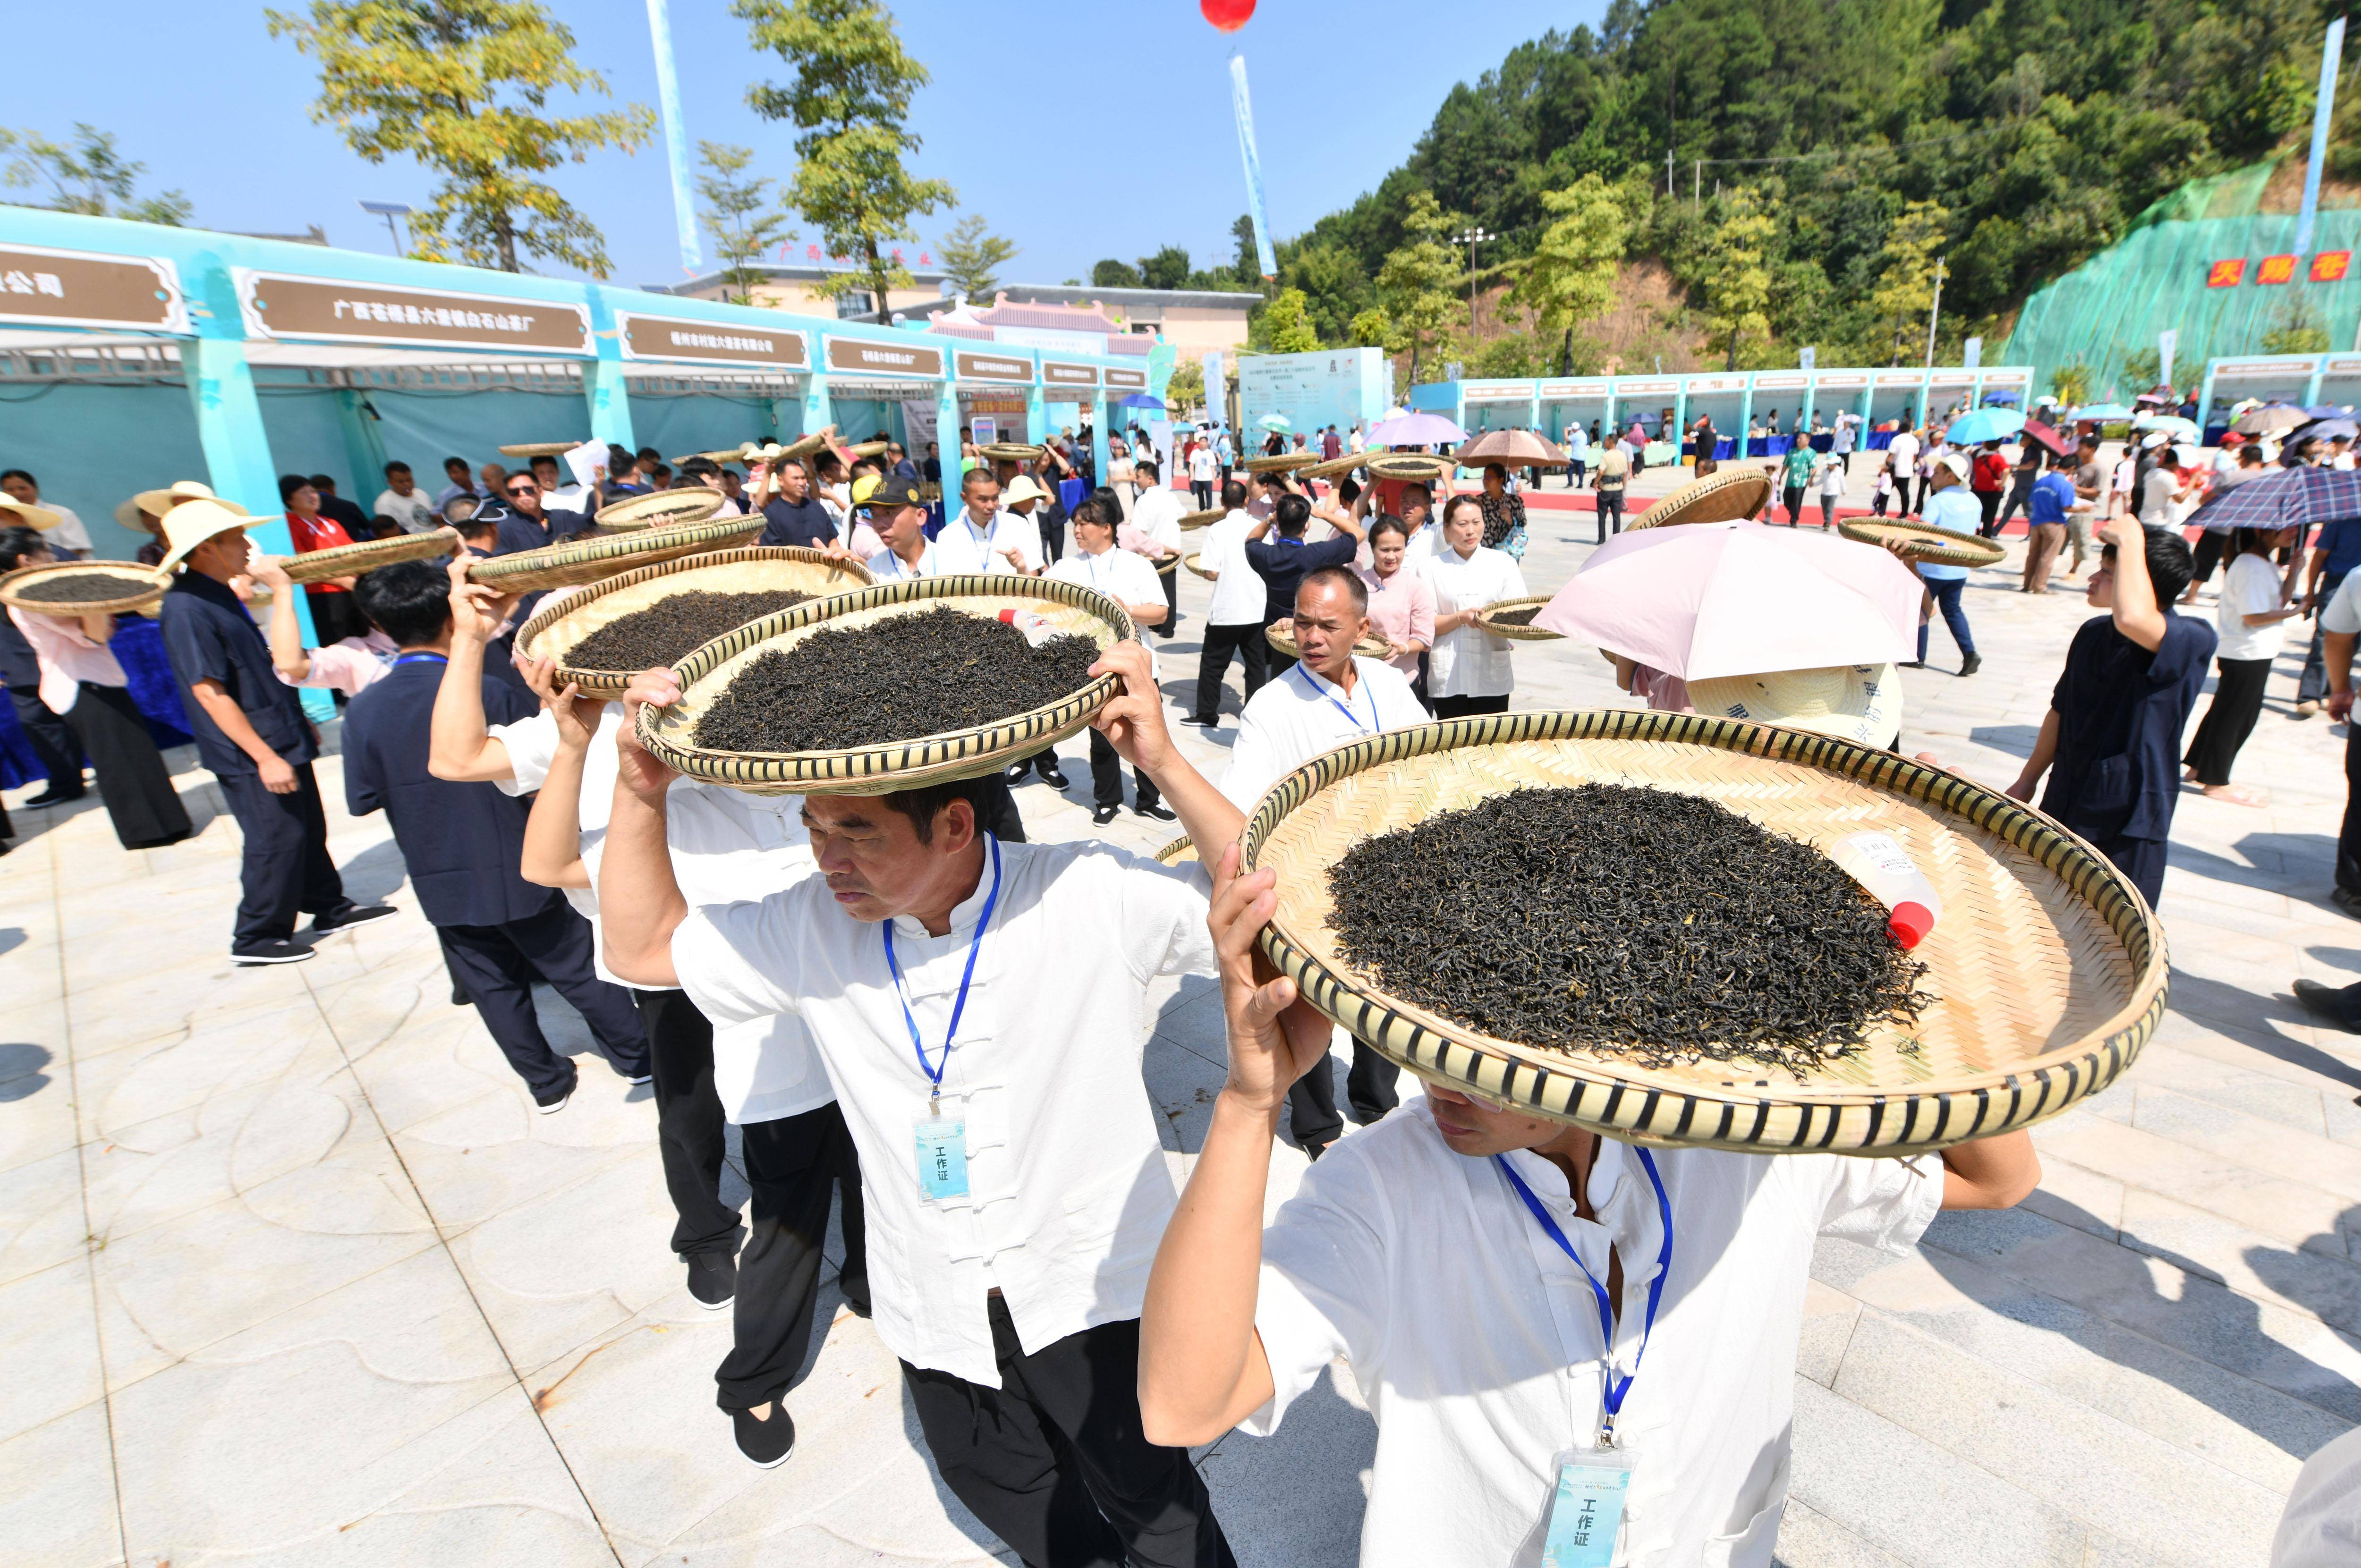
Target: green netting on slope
{"points": [[2117, 302], [2236, 194]]}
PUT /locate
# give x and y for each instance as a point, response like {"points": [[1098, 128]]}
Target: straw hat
{"points": [[1861, 703], [156, 503], [30, 515], [1022, 489], [192, 522]]}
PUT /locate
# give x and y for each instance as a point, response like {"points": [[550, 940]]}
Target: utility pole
{"points": [[1668, 171], [1469, 237], [1933, 310], [1697, 181]]}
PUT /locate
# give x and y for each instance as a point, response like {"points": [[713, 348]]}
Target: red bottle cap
{"points": [[1008, 618], [1909, 923]]}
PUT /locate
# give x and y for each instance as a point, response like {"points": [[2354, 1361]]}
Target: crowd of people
{"points": [[933, 1028]]}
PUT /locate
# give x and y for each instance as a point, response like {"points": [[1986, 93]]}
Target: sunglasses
{"points": [[524, 489]]}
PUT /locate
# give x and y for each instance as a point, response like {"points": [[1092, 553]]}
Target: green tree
{"points": [[2142, 366], [1738, 287], [2070, 383], [739, 216], [1571, 276], [1371, 328], [851, 99], [1280, 325], [1168, 269], [1114, 274], [974, 255], [1416, 283], [463, 86], [1905, 293], [88, 176]]}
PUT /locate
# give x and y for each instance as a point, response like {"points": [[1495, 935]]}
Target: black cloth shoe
{"points": [[1105, 815], [1159, 810], [2347, 900], [856, 1294], [1971, 663], [2325, 1002], [1019, 772], [767, 1442], [272, 951], [713, 1279], [351, 915], [54, 796], [1051, 777], [1195, 722], [557, 1101]]}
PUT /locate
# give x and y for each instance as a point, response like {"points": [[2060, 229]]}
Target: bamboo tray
{"points": [[1278, 462], [1205, 518], [1167, 567], [352, 559], [24, 576], [1483, 617], [1010, 450], [2048, 969], [1409, 466], [1180, 852], [538, 448], [554, 632], [1935, 546], [975, 753], [1366, 648], [1334, 467], [1726, 497], [805, 446], [1195, 561], [661, 509], [572, 561]]}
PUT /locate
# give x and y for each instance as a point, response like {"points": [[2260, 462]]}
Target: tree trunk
{"points": [[1731, 363], [506, 234], [876, 281], [1565, 353]]}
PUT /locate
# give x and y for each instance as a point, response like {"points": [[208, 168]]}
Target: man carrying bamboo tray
{"points": [[1154, 530], [1235, 621], [1325, 699], [1130, 581], [981, 1008], [1564, 1339], [982, 538]]}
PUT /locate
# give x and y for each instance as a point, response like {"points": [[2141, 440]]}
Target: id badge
{"points": [[1587, 1510], [942, 1156]]}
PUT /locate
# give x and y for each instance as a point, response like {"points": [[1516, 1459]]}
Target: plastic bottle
{"points": [[1037, 627], [1883, 866]]}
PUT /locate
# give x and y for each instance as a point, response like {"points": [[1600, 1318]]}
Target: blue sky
{"points": [[1078, 130]]}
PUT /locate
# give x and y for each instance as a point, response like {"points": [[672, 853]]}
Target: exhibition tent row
{"points": [[132, 354]]}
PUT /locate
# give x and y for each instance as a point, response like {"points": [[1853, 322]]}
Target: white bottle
{"points": [[1037, 627], [1881, 864]]}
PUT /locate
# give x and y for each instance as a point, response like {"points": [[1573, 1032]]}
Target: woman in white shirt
{"points": [[2252, 605], [1468, 671]]}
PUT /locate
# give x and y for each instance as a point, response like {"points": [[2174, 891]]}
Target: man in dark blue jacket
{"points": [[463, 843]]}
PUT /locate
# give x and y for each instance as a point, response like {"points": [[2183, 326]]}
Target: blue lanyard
{"points": [[420, 659], [902, 989], [1611, 1399], [1311, 687]]}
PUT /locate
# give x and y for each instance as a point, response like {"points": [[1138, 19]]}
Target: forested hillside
{"points": [[1823, 154]]}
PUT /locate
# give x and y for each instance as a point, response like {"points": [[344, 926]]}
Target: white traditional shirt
{"points": [[1045, 1076], [1157, 513], [1122, 575], [885, 567], [69, 533], [1298, 714], [1476, 1341], [1238, 596], [1470, 662], [965, 548], [415, 511], [531, 746]]}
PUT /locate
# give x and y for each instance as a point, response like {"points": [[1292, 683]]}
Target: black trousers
{"points": [[2229, 718], [1610, 513], [1248, 642], [688, 1121], [1203, 490], [496, 966], [1054, 1461], [1054, 538], [792, 1164], [996, 808], [1369, 1089], [1793, 497], [2349, 837], [2142, 860], [1469, 706], [141, 800], [2020, 498], [53, 744], [285, 868], [1106, 776], [1990, 501], [1171, 602], [2207, 554]]}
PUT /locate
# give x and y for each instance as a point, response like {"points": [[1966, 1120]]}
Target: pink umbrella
{"points": [[1415, 430], [1701, 600]]}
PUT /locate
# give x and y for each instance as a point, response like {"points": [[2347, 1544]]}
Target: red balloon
{"points": [[1228, 15]]}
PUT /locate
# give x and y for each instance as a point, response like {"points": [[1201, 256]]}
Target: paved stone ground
{"points": [[289, 1273]]}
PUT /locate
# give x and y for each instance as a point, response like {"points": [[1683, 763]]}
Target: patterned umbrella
{"points": [[2288, 497]]}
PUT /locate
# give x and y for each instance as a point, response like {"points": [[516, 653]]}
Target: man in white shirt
{"points": [[1130, 581], [980, 1007], [983, 539], [894, 512], [68, 539], [1156, 517], [1902, 457], [1327, 698], [1233, 624], [1493, 1279], [403, 501], [1200, 473], [1468, 671]]}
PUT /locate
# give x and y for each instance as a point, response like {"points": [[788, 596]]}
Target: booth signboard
{"points": [[40, 287], [1056, 373], [1716, 384], [678, 338], [2004, 378], [1497, 393], [1835, 382], [971, 364], [2242, 368], [2341, 367], [1900, 378], [333, 310], [1119, 379], [1562, 389], [1953, 378], [1787, 383], [864, 356]]}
